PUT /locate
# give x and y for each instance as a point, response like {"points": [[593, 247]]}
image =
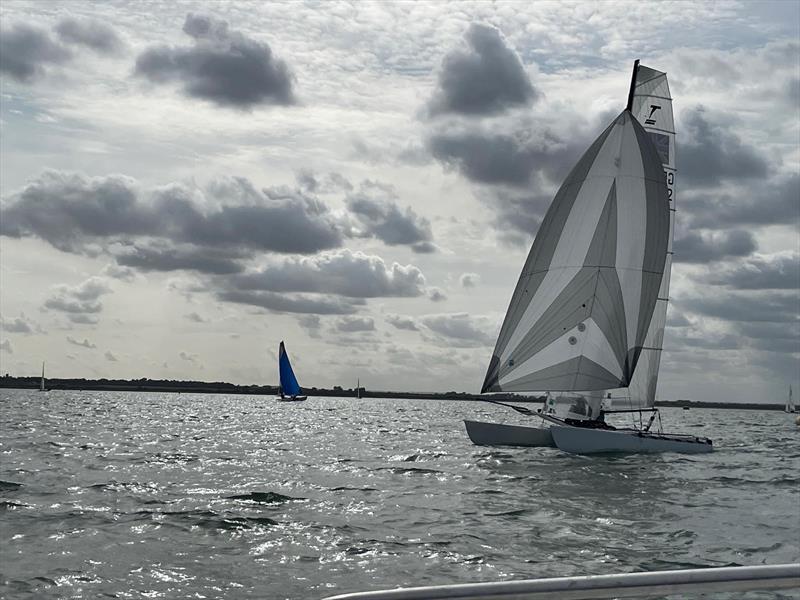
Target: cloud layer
{"points": [[222, 66]]}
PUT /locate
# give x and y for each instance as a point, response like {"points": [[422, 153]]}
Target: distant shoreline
{"points": [[221, 387]]}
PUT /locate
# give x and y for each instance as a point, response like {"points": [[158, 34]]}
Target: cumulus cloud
{"points": [[469, 280], [436, 294], [311, 323], [505, 152], [110, 357], [712, 152], [769, 306], [192, 358], [354, 324], [71, 212], [292, 303], [91, 33], [709, 246], [484, 77], [379, 215], [222, 66], [780, 271], [461, 328], [80, 303], [402, 322], [116, 271], [161, 256], [195, 318], [332, 182], [18, 325], [770, 202], [84, 344], [5, 346], [343, 273], [25, 51]]}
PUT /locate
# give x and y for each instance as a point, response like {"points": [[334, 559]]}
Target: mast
{"points": [[41, 382], [633, 85]]}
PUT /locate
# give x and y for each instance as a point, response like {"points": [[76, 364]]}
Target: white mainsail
{"points": [[582, 308], [651, 104]]}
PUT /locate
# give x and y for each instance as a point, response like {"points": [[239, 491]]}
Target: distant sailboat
{"points": [[42, 387], [790, 407], [358, 389], [290, 389], [588, 313]]}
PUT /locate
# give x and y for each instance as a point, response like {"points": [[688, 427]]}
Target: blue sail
{"points": [[289, 385]]}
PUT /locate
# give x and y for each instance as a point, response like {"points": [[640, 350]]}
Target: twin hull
{"points": [[578, 440]]}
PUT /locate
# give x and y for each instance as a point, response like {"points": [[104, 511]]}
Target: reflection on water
{"points": [[159, 495]]}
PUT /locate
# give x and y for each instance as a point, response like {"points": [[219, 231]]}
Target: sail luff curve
{"points": [[583, 304]]}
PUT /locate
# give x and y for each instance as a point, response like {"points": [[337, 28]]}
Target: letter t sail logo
{"points": [[650, 120]]}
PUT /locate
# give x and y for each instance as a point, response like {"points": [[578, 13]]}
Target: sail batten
{"points": [[580, 312]]}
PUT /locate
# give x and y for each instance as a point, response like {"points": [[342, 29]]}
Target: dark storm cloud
{"points": [[382, 218], [402, 322], [343, 273], [712, 153], [703, 247], [71, 211], [353, 324], [772, 202], [460, 328], [291, 303], [485, 77], [80, 303], [26, 50], [96, 35], [222, 66], [758, 273]]}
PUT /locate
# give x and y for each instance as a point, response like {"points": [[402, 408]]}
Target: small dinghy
{"points": [[290, 390]]}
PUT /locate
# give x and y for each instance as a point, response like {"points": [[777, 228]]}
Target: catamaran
{"points": [[587, 316], [290, 390]]}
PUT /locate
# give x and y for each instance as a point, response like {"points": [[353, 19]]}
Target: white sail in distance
{"points": [[582, 308], [651, 105]]}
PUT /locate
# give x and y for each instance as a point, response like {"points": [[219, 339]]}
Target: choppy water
{"points": [[173, 496]]}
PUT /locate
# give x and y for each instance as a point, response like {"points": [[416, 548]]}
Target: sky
{"points": [[185, 184]]}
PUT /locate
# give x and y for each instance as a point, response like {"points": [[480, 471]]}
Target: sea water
{"points": [[143, 495]]}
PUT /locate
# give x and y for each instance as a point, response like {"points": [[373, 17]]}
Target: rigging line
{"points": [[520, 409]]}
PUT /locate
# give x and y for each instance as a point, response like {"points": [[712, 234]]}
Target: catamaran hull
{"points": [[496, 434], [578, 440]]}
